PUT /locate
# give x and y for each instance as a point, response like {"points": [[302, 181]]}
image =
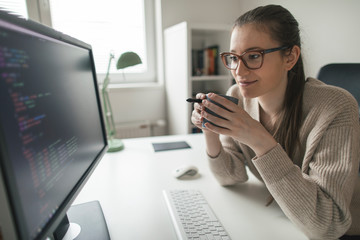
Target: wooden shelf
{"points": [[210, 78]]}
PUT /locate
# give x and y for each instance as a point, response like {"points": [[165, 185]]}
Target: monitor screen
{"points": [[51, 128]]}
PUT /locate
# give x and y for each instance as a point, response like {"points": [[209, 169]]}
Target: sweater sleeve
{"points": [[316, 197], [229, 166]]}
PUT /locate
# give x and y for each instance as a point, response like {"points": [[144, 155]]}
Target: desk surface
{"points": [[129, 186]]}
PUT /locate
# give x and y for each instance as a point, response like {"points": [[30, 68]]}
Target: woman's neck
{"points": [[271, 105], [270, 108]]}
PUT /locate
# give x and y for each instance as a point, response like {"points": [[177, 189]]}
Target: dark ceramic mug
{"points": [[233, 99]]}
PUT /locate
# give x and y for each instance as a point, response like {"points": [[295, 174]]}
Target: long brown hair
{"points": [[283, 27]]}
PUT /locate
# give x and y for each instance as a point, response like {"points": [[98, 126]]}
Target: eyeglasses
{"points": [[253, 59]]}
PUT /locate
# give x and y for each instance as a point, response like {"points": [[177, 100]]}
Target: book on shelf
{"points": [[205, 61]]}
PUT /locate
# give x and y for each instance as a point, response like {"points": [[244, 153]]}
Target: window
{"points": [[115, 26], [17, 7], [110, 26]]}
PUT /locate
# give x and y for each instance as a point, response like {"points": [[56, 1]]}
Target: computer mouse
{"points": [[187, 170]]}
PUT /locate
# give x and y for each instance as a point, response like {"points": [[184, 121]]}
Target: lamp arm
{"points": [[105, 111], [107, 79], [109, 120], [111, 130]]}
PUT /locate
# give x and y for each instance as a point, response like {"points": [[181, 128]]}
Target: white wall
{"points": [[200, 11], [137, 103], [328, 27]]}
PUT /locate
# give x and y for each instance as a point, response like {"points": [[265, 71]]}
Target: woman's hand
{"points": [[213, 144], [196, 118], [237, 124]]}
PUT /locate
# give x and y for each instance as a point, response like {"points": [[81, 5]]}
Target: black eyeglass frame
{"points": [[261, 51]]}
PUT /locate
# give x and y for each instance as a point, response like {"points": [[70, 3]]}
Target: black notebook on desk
{"points": [[166, 146]]}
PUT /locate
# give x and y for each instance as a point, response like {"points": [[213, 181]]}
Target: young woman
{"points": [[299, 136]]}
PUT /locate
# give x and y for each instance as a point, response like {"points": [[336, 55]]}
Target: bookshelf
{"points": [[187, 74]]}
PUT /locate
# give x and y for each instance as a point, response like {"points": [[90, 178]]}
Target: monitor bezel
{"points": [[39, 29]]}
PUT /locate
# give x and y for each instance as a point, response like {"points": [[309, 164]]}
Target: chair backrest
{"points": [[344, 75]]}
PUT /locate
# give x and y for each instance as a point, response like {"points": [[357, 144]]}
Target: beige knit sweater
{"points": [[319, 189]]}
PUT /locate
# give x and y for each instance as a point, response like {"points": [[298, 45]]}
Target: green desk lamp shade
{"points": [[127, 59]]}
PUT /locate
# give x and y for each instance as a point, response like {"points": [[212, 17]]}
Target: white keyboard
{"points": [[192, 216]]}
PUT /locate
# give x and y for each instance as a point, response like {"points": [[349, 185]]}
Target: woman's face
{"points": [[269, 80]]}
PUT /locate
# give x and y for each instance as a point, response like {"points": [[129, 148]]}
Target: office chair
{"points": [[344, 75]]}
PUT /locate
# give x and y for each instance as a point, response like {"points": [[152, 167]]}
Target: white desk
{"points": [[129, 186]]}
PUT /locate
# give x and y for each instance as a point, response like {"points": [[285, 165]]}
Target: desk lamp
{"points": [[126, 59]]}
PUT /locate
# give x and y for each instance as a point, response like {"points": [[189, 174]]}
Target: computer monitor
{"points": [[52, 133]]}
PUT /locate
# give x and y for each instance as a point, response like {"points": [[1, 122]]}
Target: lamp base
{"points": [[115, 145]]}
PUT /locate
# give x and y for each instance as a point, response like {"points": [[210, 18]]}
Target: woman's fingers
{"points": [[228, 104]]}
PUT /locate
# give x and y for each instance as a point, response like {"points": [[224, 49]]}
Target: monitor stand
{"points": [[83, 221]]}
